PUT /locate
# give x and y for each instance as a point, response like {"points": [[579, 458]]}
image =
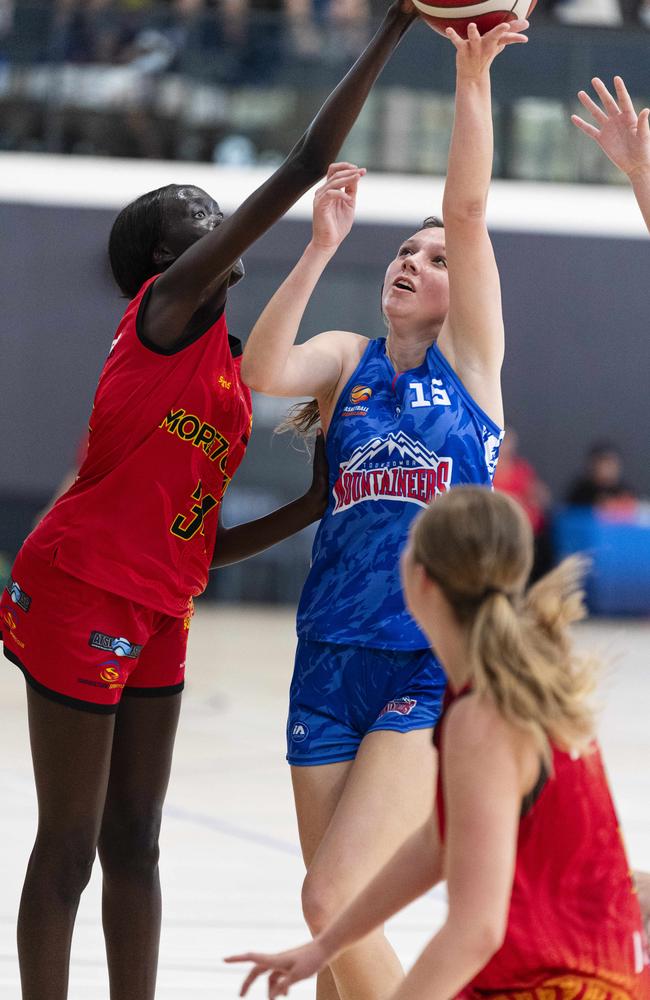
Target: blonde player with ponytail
{"points": [[541, 901]]}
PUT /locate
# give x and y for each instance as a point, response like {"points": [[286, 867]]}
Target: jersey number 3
{"points": [[185, 526]]}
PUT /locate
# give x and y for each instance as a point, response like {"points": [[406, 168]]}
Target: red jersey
{"points": [[519, 480], [167, 432], [574, 926]]}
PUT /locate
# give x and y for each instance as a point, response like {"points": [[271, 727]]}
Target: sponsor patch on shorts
{"points": [[114, 644], [400, 706], [18, 595], [299, 732]]}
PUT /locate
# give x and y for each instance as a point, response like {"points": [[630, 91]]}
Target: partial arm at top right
{"points": [[622, 135]]}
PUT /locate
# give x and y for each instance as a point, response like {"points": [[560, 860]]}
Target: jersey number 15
{"points": [[439, 396]]}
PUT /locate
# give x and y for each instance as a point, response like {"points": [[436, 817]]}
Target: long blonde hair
{"points": [[302, 419], [478, 546]]}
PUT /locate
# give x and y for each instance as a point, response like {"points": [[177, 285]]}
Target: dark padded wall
{"points": [[576, 313]]}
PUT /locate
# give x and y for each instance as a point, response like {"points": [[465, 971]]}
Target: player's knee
{"points": [[128, 844], [321, 902], [63, 861]]}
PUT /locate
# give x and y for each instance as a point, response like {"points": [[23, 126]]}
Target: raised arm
{"points": [[415, 868], [271, 363], [210, 260], [623, 136], [472, 334]]}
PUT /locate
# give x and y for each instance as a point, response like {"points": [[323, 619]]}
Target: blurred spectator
{"points": [[602, 484], [605, 12], [517, 477], [611, 13], [260, 29], [347, 24], [6, 25], [6, 16], [92, 31]]}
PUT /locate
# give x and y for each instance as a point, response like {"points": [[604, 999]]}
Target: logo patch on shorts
{"points": [[111, 675], [111, 644], [12, 625], [18, 595], [400, 706], [299, 732]]}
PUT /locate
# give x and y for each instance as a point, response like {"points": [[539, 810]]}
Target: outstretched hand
{"points": [[285, 968], [622, 135], [476, 53], [334, 205]]}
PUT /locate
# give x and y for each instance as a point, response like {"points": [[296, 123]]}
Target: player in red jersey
{"points": [[542, 905], [100, 597]]}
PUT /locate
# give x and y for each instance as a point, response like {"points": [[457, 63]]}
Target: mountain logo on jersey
{"points": [[359, 395], [394, 467]]}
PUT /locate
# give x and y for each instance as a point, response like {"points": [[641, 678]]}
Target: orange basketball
{"points": [[459, 14]]}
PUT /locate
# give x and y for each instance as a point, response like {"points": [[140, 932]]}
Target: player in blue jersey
{"points": [[406, 418]]}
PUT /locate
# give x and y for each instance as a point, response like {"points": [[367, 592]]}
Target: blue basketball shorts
{"points": [[341, 693]]}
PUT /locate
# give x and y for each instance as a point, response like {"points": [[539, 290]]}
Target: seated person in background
{"points": [[601, 484], [517, 477]]}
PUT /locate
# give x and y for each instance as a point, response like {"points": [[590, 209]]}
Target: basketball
{"points": [[459, 14]]}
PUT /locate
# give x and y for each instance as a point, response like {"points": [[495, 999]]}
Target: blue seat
{"points": [[619, 581]]}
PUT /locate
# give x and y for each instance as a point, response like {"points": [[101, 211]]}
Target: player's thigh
{"points": [[143, 744], [71, 753], [388, 794], [317, 792]]}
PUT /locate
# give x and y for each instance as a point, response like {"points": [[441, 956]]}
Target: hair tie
{"points": [[490, 591]]}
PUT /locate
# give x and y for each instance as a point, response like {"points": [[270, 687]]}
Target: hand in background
{"points": [[622, 135]]}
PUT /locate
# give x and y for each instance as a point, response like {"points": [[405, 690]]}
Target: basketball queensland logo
{"points": [[357, 400], [394, 467]]}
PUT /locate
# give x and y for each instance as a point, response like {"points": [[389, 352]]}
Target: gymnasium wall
{"points": [[575, 305]]}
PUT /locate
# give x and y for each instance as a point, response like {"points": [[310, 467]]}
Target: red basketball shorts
{"points": [[84, 646]]}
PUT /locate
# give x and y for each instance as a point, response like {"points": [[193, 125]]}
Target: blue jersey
{"points": [[395, 442]]}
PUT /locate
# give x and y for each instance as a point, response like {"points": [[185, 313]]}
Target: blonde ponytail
{"points": [[522, 656], [477, 545]]}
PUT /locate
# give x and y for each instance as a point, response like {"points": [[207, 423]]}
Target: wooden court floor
{"points": [[231, 868]]}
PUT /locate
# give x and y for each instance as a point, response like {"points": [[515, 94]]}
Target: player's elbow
{"points": [[309, 163], [482, 937], [486, 937], [254, 376]]}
